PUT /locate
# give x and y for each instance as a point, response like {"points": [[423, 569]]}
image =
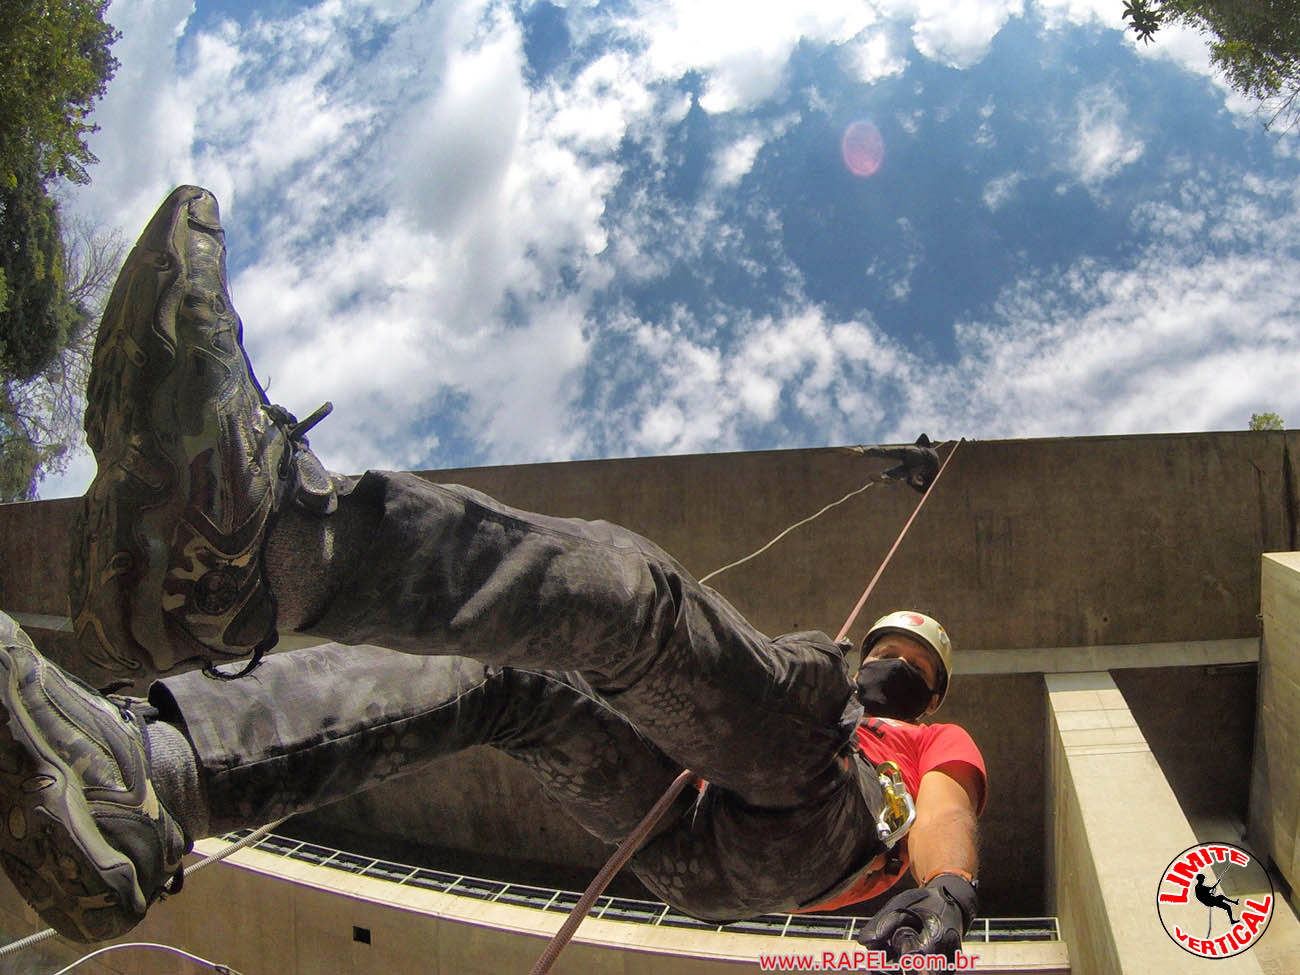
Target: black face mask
{"points": [[892, 687]]}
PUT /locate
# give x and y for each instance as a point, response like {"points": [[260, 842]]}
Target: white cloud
{"points": [[777, 376], [895, 272], [1101, 143], [954, 34], [1000, 189], [415, 230], [380, 325], [146, 121], [396, 203], [1181, 339], [737, 159], [1177, 340], [1156, 347], [741, 49], [910, 122], [1060, 13], [454, 148], [609, 97], [872, 56]]}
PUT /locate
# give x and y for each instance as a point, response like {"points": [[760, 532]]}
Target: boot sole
{"points": [[49, 844]]}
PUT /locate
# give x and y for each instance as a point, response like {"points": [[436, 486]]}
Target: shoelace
{"points": [[295, 432], [294, 429]]}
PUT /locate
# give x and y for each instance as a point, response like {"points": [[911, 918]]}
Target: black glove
{"points": [[892, 687], [928, 920], [920, 464]]}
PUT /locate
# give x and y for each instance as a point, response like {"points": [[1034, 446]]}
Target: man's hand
{"points": [[928, 920], [920, 464]]}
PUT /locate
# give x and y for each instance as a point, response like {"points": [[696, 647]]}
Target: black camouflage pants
{"points": [[583, 651]]}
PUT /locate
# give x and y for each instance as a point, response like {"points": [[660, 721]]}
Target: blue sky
{"points": [[513, 232]]}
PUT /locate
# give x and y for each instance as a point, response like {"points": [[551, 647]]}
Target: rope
{"points": [[782, 535], [235, 847], [638, 835], [611, 867], [17, 946], [215, 966], [1209, 908], [848, 623]]}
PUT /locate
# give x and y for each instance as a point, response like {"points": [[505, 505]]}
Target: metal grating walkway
{"points": [[983, 931]]}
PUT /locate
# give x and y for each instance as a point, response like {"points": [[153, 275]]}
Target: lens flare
{"points": [[863, 149]]}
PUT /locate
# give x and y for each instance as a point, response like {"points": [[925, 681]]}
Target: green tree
{"points": [[37, 317], [1266, 421], [54, 62], [40, 417], [1255, 43]]}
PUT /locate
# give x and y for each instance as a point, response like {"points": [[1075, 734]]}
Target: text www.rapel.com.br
{"points": [[864, 960]]}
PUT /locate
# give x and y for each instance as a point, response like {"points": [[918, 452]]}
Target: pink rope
{"points": [[611, 867]]}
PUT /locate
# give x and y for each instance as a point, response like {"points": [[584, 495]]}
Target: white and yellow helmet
{"points": [[925, 629]]}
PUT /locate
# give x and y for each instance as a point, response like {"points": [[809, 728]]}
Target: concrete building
{"points": [[1126, 616]]}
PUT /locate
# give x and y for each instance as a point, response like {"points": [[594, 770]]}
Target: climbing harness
{"points": [[895, 819]]}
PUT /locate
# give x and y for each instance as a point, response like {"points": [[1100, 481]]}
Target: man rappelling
{"points": [[580, 649], [1205, 893]]}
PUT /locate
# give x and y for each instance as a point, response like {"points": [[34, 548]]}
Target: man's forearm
{"points": [[945, 843], [933, 918]]}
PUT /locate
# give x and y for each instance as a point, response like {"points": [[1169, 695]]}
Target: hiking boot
{"points": [[83, 835], [194, 461]]}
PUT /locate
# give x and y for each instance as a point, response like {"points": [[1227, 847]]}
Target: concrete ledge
{"points": [[1113, 826], [258, 912], [520, 933], [1065, 660], [1275, 782]]}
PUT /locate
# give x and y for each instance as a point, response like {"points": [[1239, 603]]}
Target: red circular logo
{"points": [[1215, 900]]}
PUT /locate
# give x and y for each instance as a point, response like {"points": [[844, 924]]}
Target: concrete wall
{"points": [[1275, 793], [1025, 543], [1109, 541], [1194, 717], [1114, 825]]}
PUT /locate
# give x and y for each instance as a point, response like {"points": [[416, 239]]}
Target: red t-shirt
{"points": [[917, 748]]}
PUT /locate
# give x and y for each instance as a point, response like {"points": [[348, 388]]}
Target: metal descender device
{"points": [[899, 811]]}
